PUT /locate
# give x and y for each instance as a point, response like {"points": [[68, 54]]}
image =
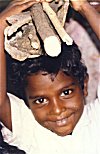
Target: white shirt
{"points": [[31, 137]]}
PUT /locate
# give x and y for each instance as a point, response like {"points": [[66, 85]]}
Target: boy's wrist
{"points": [[83, 7], [3, 24]]}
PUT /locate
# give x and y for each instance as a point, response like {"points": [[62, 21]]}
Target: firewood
{"points": [[51, 42], [53, 17], [17, 21], [60, 7], [43, 23], [24, 43]]}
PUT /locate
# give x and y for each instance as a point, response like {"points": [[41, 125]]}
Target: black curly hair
{"points": [[69, 61]]}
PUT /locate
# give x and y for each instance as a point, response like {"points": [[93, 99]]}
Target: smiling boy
{"points": [[57, 105], [53, 118]]}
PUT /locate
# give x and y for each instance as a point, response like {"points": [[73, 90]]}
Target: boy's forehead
{"points": [[40, 79], [43, 75]]}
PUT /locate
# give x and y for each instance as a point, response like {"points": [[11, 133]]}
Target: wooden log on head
{"points": [[59, 28], [17, 21], [24, 43], [21, 39], [62, 12], [60, 7], [30, 31], [51, 41]]}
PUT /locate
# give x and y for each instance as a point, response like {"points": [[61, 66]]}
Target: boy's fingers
{"points": [[26, 4], [21, 5], [16, 7], [22, 2], [19, 2]]}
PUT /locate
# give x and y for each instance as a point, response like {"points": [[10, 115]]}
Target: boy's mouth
{"points": [[62, 122]]}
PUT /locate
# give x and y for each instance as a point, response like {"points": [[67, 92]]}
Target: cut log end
{"points": [[52, 46], [67, 39]]}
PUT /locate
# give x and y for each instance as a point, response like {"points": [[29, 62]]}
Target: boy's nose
{"points": [[57, 107]]}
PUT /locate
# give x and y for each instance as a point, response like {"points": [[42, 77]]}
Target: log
{"points": [[51, 42], [42, 25], [17, 21], [60, 8], [53, 17], [24, 43]]}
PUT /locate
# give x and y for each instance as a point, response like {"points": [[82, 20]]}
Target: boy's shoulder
{"points": [[22, 125], [17, 103], [14, 98], [19, 110]]}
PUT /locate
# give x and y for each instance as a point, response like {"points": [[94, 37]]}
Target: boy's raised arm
{"points": [[14, 8], [4, 101], [90, 13]]}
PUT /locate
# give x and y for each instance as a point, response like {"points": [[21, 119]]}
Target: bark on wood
{"points": [[60, 8], [53, 17], [51, 42], [21, 39], [17, 21], [24, 43]]}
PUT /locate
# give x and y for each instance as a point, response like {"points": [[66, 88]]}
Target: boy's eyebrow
{"points": [[71, 84], [34, 97]]}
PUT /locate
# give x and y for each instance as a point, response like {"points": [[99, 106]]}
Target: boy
{"points": [[55, 118]]}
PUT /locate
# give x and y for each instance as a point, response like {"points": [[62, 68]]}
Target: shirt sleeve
{"points": [[17, 108]]}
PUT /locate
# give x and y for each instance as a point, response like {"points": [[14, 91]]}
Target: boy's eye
{"points": [[66, 92], [41, 101]]}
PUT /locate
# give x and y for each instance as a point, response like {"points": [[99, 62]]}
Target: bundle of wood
{"points": [[44, 22]]}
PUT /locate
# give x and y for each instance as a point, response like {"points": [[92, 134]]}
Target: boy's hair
{"points": [[69, 61]]}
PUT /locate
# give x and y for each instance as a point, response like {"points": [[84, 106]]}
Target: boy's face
{"points": [[57, 105]]}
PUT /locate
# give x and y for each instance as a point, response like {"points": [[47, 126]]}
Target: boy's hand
{"points": [[77, 4], [15, 7]]}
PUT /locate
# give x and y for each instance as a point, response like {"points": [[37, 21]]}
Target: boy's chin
{"points": [[62, 134]]}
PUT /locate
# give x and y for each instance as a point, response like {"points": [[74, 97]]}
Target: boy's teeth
{"points": [[61, 122]]}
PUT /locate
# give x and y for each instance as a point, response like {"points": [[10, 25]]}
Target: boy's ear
{"points": [[86, 86]]}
